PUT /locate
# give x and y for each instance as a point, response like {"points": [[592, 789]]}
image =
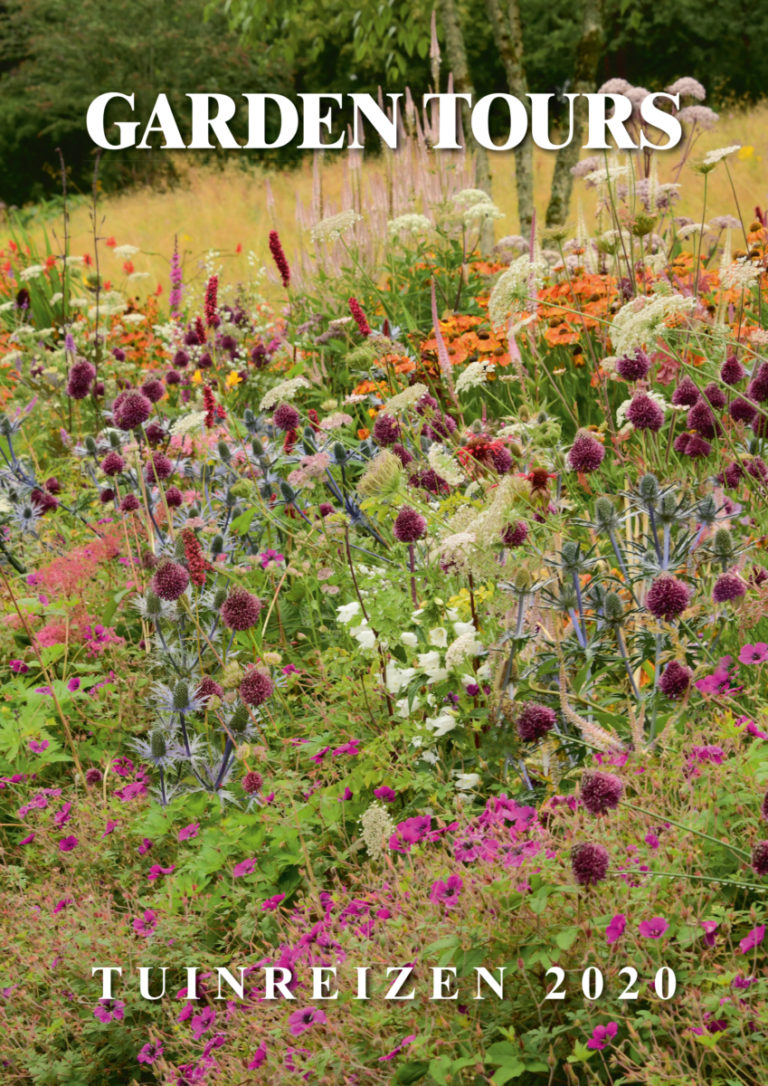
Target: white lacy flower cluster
{"points": [[640, 321], [446, 465], [188, 424], [405, 399], [740, 275], [286, 390], [513, 290], [332, 227], [473, 375], [410, 223], [476, 207]]}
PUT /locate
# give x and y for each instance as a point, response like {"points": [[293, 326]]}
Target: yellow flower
{"points": [[746, 152], [197, 378], [233, 379]]}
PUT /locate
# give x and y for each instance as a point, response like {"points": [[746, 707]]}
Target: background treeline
{"points": [[55, 56]]}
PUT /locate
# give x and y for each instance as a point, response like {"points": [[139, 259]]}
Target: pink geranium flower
{"points": [[398, 1048], [615, 929], [272, 902], [146, 924], [151, 1051], [107, 1010], [754, 939], [653, 928], [754, 654], [446, 893], [156, 871], [602, 1036], [66, 844], [189, 831], [245, 867], [259, 1058], [303, 1019], [37, 746]]}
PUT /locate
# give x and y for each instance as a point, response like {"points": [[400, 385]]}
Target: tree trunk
{"points": [[508, 32], [457, 63], [587, 59]]}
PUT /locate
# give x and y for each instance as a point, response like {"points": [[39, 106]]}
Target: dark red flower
{"points": [[276, 249], [589, 863]]}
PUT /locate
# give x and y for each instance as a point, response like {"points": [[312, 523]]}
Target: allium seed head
{"points": [[675, 680], [667, 597], [240, 610], [256, 687], [170, 581], [600, 792], [589, 863], [409, 525], [534, 721]]}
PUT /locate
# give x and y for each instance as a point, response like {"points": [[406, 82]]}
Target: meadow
{"points": [[375, 598]]}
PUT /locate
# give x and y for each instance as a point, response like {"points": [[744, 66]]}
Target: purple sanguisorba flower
{"points": [[279, 257], [760, 858], [177, 286]]}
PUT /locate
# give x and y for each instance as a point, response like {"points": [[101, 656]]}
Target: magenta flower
{"points": [[754, 939], [345, 795], [259, 1058], [63, 816], [145, 846], [107, 1010], [18, 667], [754, 654], [710, 927], [398, 1048], [189, 831], [202, 1022], [272, 902], [156, 871], [446, 893], [151, 1051], [410, 832], [602, 1036], [73, 684], [304, 1019], [653, 928], [270, 557], [66, 844], [146, 924], [245, 867], [37, 746], [615, 929], [385, 794], [110, 827]]}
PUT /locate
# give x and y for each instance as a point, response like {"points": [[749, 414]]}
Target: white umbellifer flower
{"points": [[123, 252], [641, 320], [188, 424], [472, 375], [409, 639], [135, 277], [409, 224], [348, 611], [332, 227], [462, 648], [364, 635], [711, 158], [740, 276], [377, 828], [286, 390], [692, 228], [515, 289], [465, 782], [482, 211], [442, 724], [133, 318], [468, 197], [606, 173], [31, 272], [441, 461], [405, 399]]}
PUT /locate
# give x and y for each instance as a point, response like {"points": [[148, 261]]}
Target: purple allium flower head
{"points": [[173, 497], [742, 410], [112, 464], [208, 688], [158, 467], [732, 371], [172, 377], [758, 386], [760, 858], [154, 433], [586, 454], [240, 610], [80, 379], [153, 390], [129, 504], [409, 525], [403, 455], [589, 863], [256, 687], [714, 395], [514, 535], [170, 580], [644, 413], [502, 459], [701, 419], [633, 367], [534, 721], [93, 776], [759, 425], [675, 680], [133, 410], [686, 394], [286, 417], [695, 447], [386, 430], [600, 792], [728, 586], [667, 597], [252, 782]]}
